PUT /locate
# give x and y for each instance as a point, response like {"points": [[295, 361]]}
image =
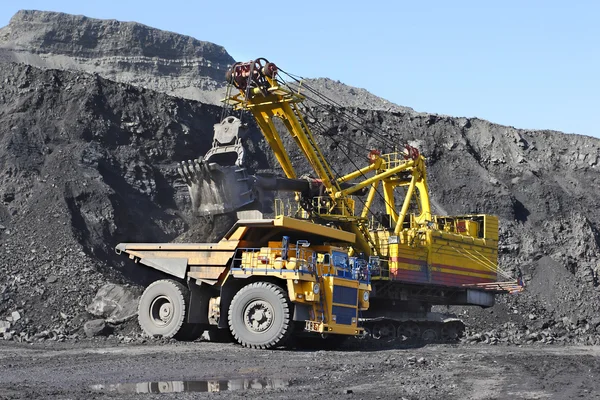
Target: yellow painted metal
{"points": [[281, 274], [312, 228], [491, 227], [319, 327], [311, 279], [326, 208], [238, 233], [302, 291], [361, 172], [369, 201], [281, 103], [424, 204], [390, 201], [222, 245], [329, 283], [272, 137], [379, 177], [206, 272], [405, 205], [450, 251], [209, 257], [310, 147], [362, 303]]}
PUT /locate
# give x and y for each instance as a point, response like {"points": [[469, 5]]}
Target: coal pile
{"points": [[84, 164], [87, 162]]}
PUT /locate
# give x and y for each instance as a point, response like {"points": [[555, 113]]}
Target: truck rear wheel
{"points": [[162, 310], [259, 316]]}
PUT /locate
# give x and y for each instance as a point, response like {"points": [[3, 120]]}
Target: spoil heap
{"points": [[84, 164], [87, 162]]}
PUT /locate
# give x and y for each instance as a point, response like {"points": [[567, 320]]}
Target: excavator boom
{"points": [[267, 99]]}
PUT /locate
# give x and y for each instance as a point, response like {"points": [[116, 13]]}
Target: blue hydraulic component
{"points": [[285, 244], [374, 266], [360, 269]]}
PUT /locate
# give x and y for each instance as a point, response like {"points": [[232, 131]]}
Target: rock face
{"points": [[121, 51], [133, 53], [84, 161], [87, 162], [348, 96]]}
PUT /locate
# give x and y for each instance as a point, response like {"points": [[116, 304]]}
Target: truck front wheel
{"points": [[260, 316], [162, 309]]}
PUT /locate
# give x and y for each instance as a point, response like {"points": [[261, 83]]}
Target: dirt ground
{"points": [[212, 370]]}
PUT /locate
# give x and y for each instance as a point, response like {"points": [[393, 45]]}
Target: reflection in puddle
{"points": [[192, 386]]}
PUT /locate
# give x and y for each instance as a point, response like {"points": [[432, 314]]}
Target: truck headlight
{"points": [[365, 296], [316, 288]]}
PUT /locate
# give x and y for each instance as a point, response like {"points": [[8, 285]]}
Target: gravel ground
{"points": [[92, 370]]}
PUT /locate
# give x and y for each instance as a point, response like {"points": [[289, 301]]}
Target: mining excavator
{"points": [[318, 263]]}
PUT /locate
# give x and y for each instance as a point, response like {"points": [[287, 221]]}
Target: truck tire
{"points": [[162, 310], [260, 316]]}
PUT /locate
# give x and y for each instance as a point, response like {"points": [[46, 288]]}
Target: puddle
{"points": [[192, 386]]}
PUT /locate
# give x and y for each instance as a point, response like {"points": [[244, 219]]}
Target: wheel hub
{"points": [[384, 331], [161, 310], [429, 335], [165, 312], [258, 316]]}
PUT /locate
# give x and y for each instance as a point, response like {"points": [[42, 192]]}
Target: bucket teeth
{"points": [[191, 171]]}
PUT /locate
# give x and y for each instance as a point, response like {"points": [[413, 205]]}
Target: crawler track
{"points": [[414, 331]]}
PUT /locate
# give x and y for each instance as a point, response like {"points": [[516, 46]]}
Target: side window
{"points": [[326, 259], [340, 259]]}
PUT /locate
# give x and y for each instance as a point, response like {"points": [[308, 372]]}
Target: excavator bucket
{"points": [[218, 182]]}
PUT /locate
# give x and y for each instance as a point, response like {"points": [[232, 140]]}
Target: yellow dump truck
{"points": [[263, 291]]}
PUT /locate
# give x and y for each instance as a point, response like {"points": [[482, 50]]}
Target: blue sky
{"points": [[529, 64]]}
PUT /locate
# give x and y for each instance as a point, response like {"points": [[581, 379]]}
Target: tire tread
{"points": [[182, 291], [286, 329]]}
